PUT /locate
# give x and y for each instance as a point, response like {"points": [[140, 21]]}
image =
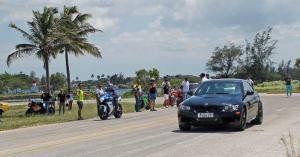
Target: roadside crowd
{"points": [[145, 97], [172, 95]]}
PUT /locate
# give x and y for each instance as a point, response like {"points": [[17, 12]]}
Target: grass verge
{"points": [[15, 117]]}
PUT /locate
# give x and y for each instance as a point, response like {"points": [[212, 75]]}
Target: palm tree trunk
{"points": [[68, 71], [47, 74]]}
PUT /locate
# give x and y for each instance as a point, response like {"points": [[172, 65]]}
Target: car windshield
{"points": [[218, 87]]}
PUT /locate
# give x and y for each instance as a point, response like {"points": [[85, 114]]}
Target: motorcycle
{"points": [[176, 97], [39, 107], [109, 105], [145, 101]]}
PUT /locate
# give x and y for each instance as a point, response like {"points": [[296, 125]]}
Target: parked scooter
{"points": [[109, 105], [39, 107]]}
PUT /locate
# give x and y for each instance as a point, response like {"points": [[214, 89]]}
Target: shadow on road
{"points": [[213, 129]]}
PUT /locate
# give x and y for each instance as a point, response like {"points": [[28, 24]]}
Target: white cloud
{"points": [[104, 23]]}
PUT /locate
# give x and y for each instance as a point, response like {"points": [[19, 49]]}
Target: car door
{"points": [[250, 101], [255, 100]]}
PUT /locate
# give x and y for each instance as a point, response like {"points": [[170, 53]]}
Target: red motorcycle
{"points": [[176, 97]]}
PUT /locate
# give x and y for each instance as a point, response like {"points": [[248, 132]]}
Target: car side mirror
{"points": [[249, 93]]}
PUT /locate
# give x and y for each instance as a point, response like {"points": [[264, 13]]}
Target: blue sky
{"points": [[175, 36]]}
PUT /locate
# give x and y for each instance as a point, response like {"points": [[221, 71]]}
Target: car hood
{"points": [[213, 100]]}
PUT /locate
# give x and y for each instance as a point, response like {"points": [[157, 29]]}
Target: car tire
{"points": [[184, 127], [259, 117], [243, 120]]}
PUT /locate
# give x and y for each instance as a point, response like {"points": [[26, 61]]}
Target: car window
{"points": [[219, 88], [247, 87]]}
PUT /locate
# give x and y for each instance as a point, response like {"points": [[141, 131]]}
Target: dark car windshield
{"points": [[218, 87]]}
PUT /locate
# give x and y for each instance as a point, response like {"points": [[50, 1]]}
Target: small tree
{"points": [[154, 73], [58, 80], [224, 60]]}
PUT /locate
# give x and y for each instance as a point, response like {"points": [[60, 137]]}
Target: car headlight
{"points": [[229, 107], [184, 107]]}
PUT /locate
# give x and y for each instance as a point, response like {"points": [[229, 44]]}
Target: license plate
{"points": [[205, 115]]}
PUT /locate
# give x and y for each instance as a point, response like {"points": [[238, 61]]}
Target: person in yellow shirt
{"points": [[80, 98], [137, 89]]}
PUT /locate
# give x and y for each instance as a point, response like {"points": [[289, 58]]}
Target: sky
{"points": [[174, 36]]}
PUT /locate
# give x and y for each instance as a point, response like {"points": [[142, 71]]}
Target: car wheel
{"points": [[243, 120], [184, 127], [259, 117]]}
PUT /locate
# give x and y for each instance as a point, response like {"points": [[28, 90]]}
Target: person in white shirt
{"points": [[207, 76], [250, 81], [202, 78], [99, 91], [185, 86]]}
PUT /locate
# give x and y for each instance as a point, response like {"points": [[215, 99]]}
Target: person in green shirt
{"points": [[80, 98]]}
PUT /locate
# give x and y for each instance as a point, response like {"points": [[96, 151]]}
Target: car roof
{"points": [[226, 80]]}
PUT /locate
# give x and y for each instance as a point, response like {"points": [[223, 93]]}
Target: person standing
{"points": [[152, 94], [80, 98], [166, 91], [288, 86], [250, 81], [207, 76], [70, 100], [137, 89], [62, 99], [99, 91], [185, 86], [46, 97], [202, 78]]}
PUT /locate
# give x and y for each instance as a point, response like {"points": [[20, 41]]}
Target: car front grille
{"points": [[208, 108]]}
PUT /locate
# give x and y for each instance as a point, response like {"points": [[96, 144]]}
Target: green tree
{"points": [[58, 80], [154, 73], [297, 63], [259, 53], [39, 38], [71, 31], [224, 61]]}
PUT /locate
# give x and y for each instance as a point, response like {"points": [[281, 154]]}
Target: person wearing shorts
{"points": [[166, 91], [80, 98], [152, 94]]}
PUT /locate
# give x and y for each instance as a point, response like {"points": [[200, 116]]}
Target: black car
{"points": [[221, 101]]}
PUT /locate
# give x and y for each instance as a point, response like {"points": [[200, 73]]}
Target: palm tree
{"points": [[71, 32], [39, 38]]}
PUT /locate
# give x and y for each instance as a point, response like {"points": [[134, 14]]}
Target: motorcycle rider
{"points": [[46, 100]]}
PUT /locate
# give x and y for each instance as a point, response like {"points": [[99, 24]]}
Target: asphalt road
{"points": [[155, 134]]}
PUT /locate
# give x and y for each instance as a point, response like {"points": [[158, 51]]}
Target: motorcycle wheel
{"points": [[51, 111], [119, 111], [28, 112], [103, 115]]}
